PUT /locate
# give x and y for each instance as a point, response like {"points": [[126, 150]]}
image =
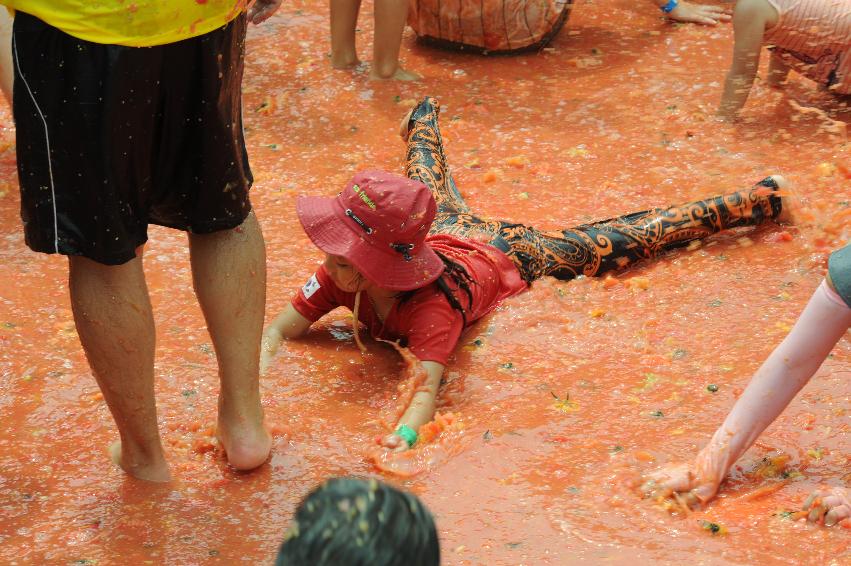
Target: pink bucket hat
{"points": [[379, 223]]}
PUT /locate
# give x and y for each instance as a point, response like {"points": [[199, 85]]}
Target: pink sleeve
{"points": [[790, 366]]}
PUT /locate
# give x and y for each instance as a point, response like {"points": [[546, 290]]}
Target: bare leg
{"points": [[778, 70], [390, 18], [229, 274], [113, 315], [344, 20]]}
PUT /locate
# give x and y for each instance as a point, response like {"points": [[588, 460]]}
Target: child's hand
{"points": [[829, 506], [679, 482], [393, 442], [268, 348], [261, 10], [699, 14]]}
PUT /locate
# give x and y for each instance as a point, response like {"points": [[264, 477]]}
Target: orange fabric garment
{"points": [[492, 25], [814, 38]]}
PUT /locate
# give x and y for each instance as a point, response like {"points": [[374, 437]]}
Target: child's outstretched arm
{"points": [[749, 19], [420, 411], [288, 324], [789, 367], [682, 11]]}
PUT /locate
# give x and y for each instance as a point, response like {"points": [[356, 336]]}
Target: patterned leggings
{"points": [[588, 249]]}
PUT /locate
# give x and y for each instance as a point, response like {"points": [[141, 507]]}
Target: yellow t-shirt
{"points": [[135, 23]]}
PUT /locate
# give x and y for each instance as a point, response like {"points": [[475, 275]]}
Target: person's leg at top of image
{"points": [[390, 19], [344, 21]]}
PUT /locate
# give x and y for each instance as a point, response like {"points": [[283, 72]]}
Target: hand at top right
{"points": [[699, 14]]}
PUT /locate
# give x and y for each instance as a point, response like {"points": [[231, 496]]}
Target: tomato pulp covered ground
{"points": [[561, 397]]}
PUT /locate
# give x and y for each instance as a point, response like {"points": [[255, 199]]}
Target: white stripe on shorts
{"points": [[47, 141]]}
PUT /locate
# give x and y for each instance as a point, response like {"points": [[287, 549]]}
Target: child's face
{"points": [[344, 274]]}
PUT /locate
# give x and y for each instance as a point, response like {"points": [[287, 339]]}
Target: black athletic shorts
{"points": [[112, 138]]}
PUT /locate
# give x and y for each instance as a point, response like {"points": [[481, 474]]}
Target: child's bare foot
{"points": [[397, 73], [155, 471], [788, 199], [405, 125], [345, 60], [244, 438]]}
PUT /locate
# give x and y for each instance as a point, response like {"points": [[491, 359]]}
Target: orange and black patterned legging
{"points": [[588, 249]]}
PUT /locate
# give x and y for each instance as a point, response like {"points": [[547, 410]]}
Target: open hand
{"points": [[679, 482], [828, 506], [260, 10], [699, 14]]}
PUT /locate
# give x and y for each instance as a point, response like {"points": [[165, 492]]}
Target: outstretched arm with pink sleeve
{"points": [[789, 367]]}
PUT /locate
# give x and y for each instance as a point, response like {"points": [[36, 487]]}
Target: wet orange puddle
{"points": [[614, 118]]}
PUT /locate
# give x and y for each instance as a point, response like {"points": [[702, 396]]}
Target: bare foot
{"points": [[788, 199], [404, 126], [148, 471], [348, 60], [245, 439], [399, 74]]}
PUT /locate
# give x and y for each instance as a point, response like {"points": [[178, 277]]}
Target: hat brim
{"points": [[325, 223]]}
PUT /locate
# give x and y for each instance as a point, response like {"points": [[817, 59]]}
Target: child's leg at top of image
{"points": [[390, 18], [344, 22], [426, 160]]}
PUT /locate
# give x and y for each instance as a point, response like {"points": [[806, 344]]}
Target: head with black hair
{"points": [[354, 522]]}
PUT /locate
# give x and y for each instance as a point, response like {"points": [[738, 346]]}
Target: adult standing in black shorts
{"points": [[128, 116]]}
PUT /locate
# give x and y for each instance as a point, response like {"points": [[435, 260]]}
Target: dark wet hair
{"points": [[354, 522], [459, 276]]}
